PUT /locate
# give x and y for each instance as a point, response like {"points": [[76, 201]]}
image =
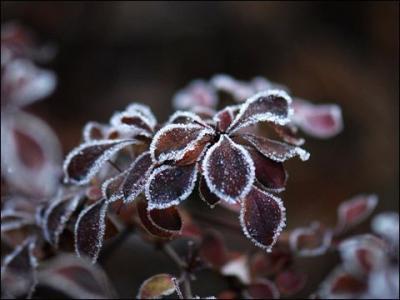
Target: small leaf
{"points": [[186, 117], [290, 282], [82, 163], [173, 141], [76, 277], [90, 230], [228, 170], [321, 121], [275, 150], [157, 286], [145, 111], [223, 119], [262, 218], [170, 185], [132, 123], [206, 195], [270, 105], [310, 241], [213, 250], [93, 131], [137, 176], [197, 93], [352, 212], [18, 270], [111, 188]]}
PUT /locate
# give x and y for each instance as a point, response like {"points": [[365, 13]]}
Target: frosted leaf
{"points": [[197, 93], [275, 150], [170, 185], [387, 225], [149, 224], [203, 112], [223, 119], [30, 154], [186, 117], [341, 285], [355, 210], [12, 219], [93, 131], [18, 270], [83, 162], [290, 282], [321, 121], [239, 90], [145, 111], [212, 249], [206, 195], [168, 219], [228, 170], [272, 106], [131, 122], [262, 288], [310, 241], [157, 286], [173, 141], [90, 229], [269, 173], [76, 277], [137, 175], [239, 268], [23, 83], [261, 84], [111, 188], [363, 254], [288, 133], [384, 284], [262, 218], [56, 216]]}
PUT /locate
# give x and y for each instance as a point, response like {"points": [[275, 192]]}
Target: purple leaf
{"points": [[228, 170], [82, 163], [262, 218], [197, 93], [90, 230], [206, 195]]}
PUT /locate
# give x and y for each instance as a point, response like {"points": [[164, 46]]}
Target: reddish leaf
{"points": [[186, 117], [170, 185], [275, 150], [271, 106], [147, 222], [197, 93], [266, 264], [111, 188], [290, 282], [157, 286], [167, 219], [269, 173], [76, 277], [82, 163], [144, 111], [173, 141], [223, 119], [213, 250], [132, 123], [310, 241], [228, 170], [262, 289], [93, 131], [18, 270], [90, 229], [137, 176], [288, 133], [57, 215], [355, 210], [321, 121], [206, 195], [262, 218]]}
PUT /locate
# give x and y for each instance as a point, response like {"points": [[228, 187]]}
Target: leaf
{"points": [[352, 212], [149, 224], [145, 111], [275, 150], [321, 121], [132, 123], [170, 185], [137, 176], [30, 155], [228, 170], [186, 117], [237, 267], [288, 133], [167, 219], [93, 131], [173, 141], [290, 282], [310, 241], [262, 218], [262, 288], [197, 93], [269, 173], [213, 250], [270, 105], [90, 230], [157, 286], [206, 195], [111, 188], [83, 162], [56, 216], [18, 270], [223, 119], [76, 277], [239, 90], [386, 225]]}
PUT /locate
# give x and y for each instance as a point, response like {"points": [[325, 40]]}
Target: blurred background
{"points": [[111, 54]]}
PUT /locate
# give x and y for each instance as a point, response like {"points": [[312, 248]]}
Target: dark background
{"points": [[110, 54]]}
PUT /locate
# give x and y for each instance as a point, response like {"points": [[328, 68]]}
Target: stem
{"points": [[171, 253], [187, 290]]}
